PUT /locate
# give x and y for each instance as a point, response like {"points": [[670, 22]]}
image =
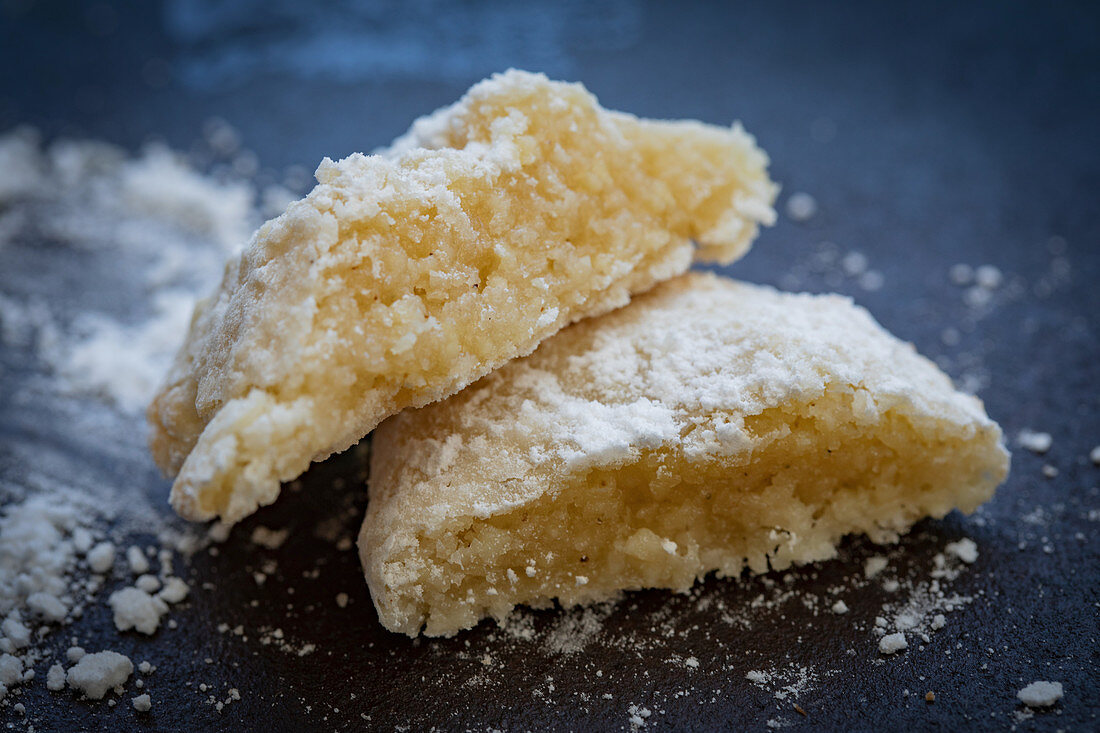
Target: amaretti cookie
{"points": [[708, 426], [403, 277]]}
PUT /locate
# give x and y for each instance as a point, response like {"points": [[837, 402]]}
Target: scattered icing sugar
{"points": [[154, 234], [36, 554], [125, 363], [638, 715], [577, 628], [785, 682]]}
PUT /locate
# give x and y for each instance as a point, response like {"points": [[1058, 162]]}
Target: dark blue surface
{"points": [[929, 133]]}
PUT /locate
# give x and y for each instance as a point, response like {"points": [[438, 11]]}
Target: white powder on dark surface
{"points": [[36, 553], [136, 559], [785, 682], [1033, 441], [55, 678], [174, 590], [101, 558], [11, 669], [147, 583], [988, 276], [1040, 694], [46, 607], [151, 235], [95, 674], [801, 206], [142, 703], [873, 566], [965, 550], [135, 609], [892, 643], [577, 628]]}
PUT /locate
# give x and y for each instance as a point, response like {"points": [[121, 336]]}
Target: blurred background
{"points": [[939, 162], [940, 123]]}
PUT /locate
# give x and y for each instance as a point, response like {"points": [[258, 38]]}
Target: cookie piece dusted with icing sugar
{"points": [[403, 277], [708, 426]]}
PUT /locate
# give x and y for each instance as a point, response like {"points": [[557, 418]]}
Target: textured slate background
{"points": [[929, 133]]}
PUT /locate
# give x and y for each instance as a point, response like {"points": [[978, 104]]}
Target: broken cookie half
{"points": [[710, 425], [403, 277]]}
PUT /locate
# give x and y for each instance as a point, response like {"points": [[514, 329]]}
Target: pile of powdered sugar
{"points": [[150, 224], [151, 234]]}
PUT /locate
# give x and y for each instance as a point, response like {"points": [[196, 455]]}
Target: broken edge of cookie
{"points": [[708, 426]]}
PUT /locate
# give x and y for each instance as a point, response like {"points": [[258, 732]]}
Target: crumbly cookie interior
{"points": [[815, 473]]}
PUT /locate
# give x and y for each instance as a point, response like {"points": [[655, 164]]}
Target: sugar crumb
{"points": [[55, 678], [873, 566], [1040, 694], [1035, 442], [892, 643], [139, 565], [965, 549], [272, 539], [801, 207], [135, 609], [97, 673]]}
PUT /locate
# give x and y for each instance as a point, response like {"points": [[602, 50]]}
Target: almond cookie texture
{"points": [[405, 276], [710, 425]]}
